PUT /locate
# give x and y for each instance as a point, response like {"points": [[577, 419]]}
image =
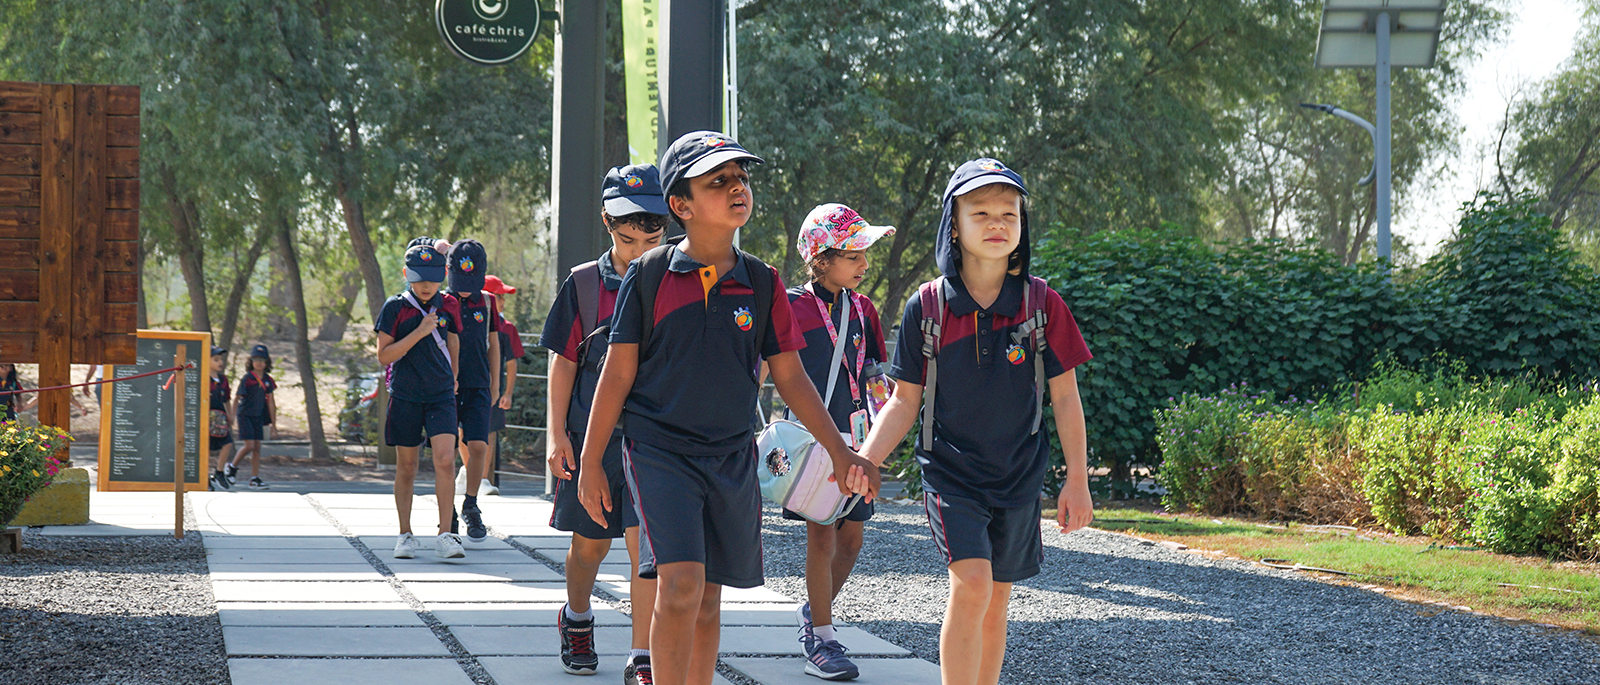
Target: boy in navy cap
{"points": [[419, 347], [255, 409], [693, 322], [984, 339], [635, 216], [478, 372]]}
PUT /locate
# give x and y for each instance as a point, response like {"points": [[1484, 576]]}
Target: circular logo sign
{"points": [[489, 32]]}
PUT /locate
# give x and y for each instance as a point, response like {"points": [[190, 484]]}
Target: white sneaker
{"points": [[461, 481], [405, 547], [448, 547], [487, 488]]}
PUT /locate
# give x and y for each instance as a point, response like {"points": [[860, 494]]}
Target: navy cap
{"points": [[468, 265], [697, 153], [261, 351], [419, 240], [633, 189], [423, 263], [982, 172], [218, 350]]}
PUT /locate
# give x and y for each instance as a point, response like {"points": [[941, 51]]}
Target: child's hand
{"points": [[559, 456], [595, 494], [505, 402], [856, 475], [1074, 508], [429, 322]]}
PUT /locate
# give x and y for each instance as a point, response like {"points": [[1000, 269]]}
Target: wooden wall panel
{"points": [[88, 213], [19, 254], [54, 310], [19, 191], [121, 193], [20, 222], [17, 286], [122, 100], [21, 160], [19, 97], [121, 256], [19, 128], [122, 224], [122, 131], [122, 162], [122, 287]]}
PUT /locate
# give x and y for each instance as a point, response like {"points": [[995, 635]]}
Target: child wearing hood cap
{"points": [[979, 339]]}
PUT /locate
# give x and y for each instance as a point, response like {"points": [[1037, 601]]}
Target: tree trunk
{"points": [[302, 341], [355, 222], [191, 251], [241, 283], [337, 319]]}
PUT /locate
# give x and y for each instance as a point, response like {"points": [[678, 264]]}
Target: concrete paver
{"points": [[317, 614], [347, 671], [254, 591], [473, 557], [791, 671], [218, 542], [305, 557], [786, 640], [545, 670], [494, 592], [536, 641], [296, 572], [341, 641], [477, 572], [492, 614], [377, 542]]}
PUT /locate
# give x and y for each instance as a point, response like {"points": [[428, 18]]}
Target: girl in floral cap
{"points": [[833, 242]]}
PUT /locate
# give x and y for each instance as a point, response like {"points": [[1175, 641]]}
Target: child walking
{"points": [[833, 243], [477, 372], [510, 351], [16, 403], [635, 217], [221, 438], [995, 336], [419, 346], [254, 410], [692, 323]]}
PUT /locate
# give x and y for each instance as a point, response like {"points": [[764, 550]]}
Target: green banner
{"points": [[640, 30]]}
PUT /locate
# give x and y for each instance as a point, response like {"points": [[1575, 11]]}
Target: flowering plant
{"points": [[27, 463]]}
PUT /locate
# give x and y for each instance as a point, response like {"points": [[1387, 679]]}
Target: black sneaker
{"points": [[231, 474], [577, 645], [476, 532], [258, 484], [221, 480], [637, 672]]}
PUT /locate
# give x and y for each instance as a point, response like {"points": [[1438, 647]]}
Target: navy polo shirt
{"points": [[983, 411], [478, 312], [695, 393], [563, 332], [818, 352], [253, 394], [423, 375], [219, 393], [510, 341]]}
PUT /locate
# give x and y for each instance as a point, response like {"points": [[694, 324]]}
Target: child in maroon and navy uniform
{"points": [[254, 409], [221, 437], [477, 371]]}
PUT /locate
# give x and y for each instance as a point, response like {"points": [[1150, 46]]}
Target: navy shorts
{"points": [[497, 418], [861, 512], [217, 443], [251, 427], [472, 411], [411, 423], [701, 509], [569, 514], [1009, 537]]}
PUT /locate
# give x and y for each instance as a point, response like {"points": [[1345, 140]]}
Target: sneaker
{"points": [[487, 488], [461, 481], [476, 532], [405, 547], [232, 472], [637, 672], [221, 480], [455, 522], [258, 484], [448, 547], [577, 645], [803, 616], [825, 658]]}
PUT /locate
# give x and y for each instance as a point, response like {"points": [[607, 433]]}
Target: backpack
{"points": [[931, 294], [586, 280], [653, 267]]}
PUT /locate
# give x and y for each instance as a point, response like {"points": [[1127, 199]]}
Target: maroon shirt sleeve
{"points": [[783, 332]]}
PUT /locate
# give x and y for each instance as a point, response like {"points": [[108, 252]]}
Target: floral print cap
{"points": [[839, 227]]}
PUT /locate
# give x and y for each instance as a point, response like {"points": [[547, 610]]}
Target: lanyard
{"points": [[833, 337]]}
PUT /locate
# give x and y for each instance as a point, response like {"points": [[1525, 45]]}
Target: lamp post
{"points": [[1380, 34]]}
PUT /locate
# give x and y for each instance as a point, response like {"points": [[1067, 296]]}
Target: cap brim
{"points": [[987, 180], [635, 204], [865, 237], [430, 274], [705, 164]]}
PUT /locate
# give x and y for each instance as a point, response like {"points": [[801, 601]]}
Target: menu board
{"points": [[138, 416]]}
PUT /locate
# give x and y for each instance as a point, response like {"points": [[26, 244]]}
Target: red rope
{"points": [[189, 365]]}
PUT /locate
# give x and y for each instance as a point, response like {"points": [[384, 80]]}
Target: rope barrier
{"points": [[190, 365]]}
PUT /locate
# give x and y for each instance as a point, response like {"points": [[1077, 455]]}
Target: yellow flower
{"points": [[7, 468], [35, 474]]}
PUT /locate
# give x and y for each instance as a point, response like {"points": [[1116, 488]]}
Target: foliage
{"points": [[1468, 459], [27, 464], [1167, 315]]}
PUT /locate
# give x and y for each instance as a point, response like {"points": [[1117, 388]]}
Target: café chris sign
{"points": [[489, 32]]}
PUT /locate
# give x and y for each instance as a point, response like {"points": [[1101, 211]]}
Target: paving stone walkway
{"points": [[307, 589]]}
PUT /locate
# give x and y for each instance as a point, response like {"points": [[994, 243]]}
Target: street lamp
{"points": [[1380, 34], [1363, 123]]}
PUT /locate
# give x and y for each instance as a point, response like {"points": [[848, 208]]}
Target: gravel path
{"points": [[108, 611], [1111, 609]]}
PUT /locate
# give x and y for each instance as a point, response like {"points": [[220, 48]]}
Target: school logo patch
{"points": [[477, 316], [714, 141], [1016, 355], [742, 317], [427, 256], [633, 181], [466, 265], [856, 340], [991, 165]]}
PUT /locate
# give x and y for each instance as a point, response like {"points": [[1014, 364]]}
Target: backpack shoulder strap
{"points": [[652, 268], [586, 279], [931, 295], [1032, 330]]}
